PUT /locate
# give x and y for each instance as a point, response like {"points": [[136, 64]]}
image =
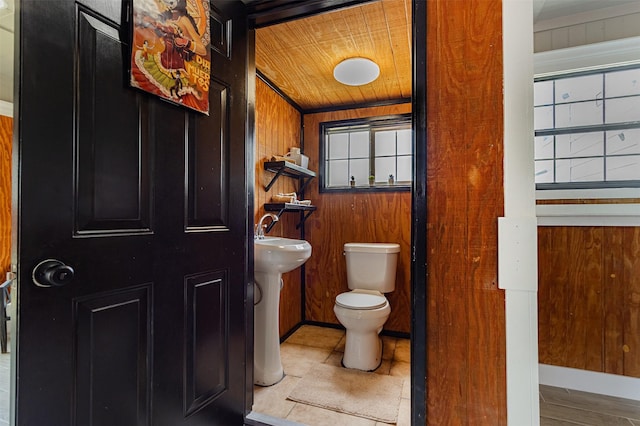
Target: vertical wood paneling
{"points": [[353, 217], [589, 298], [466, 328], [6, 140], [277, 130]]}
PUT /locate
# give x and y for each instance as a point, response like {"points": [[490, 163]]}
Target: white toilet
{"points": [[371, 272]]}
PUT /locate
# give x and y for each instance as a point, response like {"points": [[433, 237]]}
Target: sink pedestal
{"points": [[267, 365], [273, 256]]}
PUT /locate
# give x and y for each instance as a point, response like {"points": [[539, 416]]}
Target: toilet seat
{"points": [[361, 301]]}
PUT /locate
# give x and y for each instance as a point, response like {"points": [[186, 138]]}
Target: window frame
{"points": [[604, 127], [368, 123]]}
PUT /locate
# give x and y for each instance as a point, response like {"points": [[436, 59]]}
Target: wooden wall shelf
{"points": [[286, 168], [304, 176]]}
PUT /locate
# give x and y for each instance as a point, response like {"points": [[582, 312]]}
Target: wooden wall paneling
{"points": [[613, 299], [353, 217], [631, 348], [277, 130], [466, 328], [588, 303], [6, 141]]}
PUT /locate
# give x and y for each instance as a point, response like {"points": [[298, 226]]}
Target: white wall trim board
{"points": [[6, 108], [584, 17], [590, 381], [521, 302], [587, 194], [588, 56], [588, 214]]}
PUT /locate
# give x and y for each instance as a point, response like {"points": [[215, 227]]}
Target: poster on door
{"points": [[170, 55]]}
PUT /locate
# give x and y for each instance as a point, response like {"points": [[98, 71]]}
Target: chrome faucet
{"points": [[260, 227]]}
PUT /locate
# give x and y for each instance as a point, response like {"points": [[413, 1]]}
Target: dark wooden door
{"points": [[147, 202]]}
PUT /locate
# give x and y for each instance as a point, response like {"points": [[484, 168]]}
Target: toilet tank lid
{"points": [[372, 247]]}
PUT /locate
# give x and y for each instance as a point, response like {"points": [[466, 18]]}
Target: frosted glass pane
{"points": [[543, 147], [576, 89], [580, 170], [338, 146], [385, 166], [385, 143], [404, 142], [337, 173], [580, 114], [622, 110], [580, 145], [543, 118], [623, 168], [359, 145], [543, 93], [405, 169], [622, 83], [544, 171], [360, 170], [623, 142]]}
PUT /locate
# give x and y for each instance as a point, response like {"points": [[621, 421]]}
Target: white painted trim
{"points": [[590, 381], [521, 307], [588, 221], [588, 56], [587, 194], [6, 108], [584, 17], [588, 214], [612, 210]]}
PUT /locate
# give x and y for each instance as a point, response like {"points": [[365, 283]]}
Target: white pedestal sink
{"points": [[273, 256]]}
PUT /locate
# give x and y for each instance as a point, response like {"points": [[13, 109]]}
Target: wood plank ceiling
{"points": [[299, 56]]}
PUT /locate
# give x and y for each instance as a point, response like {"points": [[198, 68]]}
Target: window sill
{"points": [[365, 189], [588, 214]]}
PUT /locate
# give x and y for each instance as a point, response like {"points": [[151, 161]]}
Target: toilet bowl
{"points": [[371, 269]]}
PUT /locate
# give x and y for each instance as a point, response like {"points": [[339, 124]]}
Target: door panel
{"points": [[147, 201], [112, 161]]}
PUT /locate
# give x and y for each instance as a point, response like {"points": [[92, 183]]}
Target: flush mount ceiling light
{"points": [[356, 71]]}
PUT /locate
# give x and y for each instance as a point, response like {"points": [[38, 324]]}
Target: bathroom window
{"points": [[587, 129], [367, 154]]}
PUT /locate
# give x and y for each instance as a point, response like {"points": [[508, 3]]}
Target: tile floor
{"points": [[311, 345]]}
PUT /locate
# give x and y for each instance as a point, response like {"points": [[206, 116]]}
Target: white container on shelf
{"points": [[298, 158]]}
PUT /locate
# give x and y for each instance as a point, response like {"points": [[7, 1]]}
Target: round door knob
{"points": [[52, 273]]}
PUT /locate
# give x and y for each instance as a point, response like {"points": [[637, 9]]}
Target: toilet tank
{"points": [[372, 266]]}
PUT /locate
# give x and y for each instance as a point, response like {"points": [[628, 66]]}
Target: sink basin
{"points": [[275, 254]]}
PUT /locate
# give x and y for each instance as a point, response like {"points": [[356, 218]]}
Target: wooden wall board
{"points": [[277, 130], [353, 217], [588, 299], [6, 141], [466, 345]]}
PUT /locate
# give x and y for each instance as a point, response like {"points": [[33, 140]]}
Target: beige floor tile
{"points": [[388, 347], [317, 337], [385, 367], [297, 360], [335, 359], [272, 400], [403, 350], [400, 369], [314, 416], [340, 346]]}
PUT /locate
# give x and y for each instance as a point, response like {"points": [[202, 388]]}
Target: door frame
{"points": [[262, 14]]}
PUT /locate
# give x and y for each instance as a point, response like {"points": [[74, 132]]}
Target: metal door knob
{"points": [[52, 273]]}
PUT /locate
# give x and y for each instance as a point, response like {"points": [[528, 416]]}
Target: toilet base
{"points": [[362, 351]]}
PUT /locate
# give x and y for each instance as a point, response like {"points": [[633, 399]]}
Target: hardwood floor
{"points": [[569, 407]]}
